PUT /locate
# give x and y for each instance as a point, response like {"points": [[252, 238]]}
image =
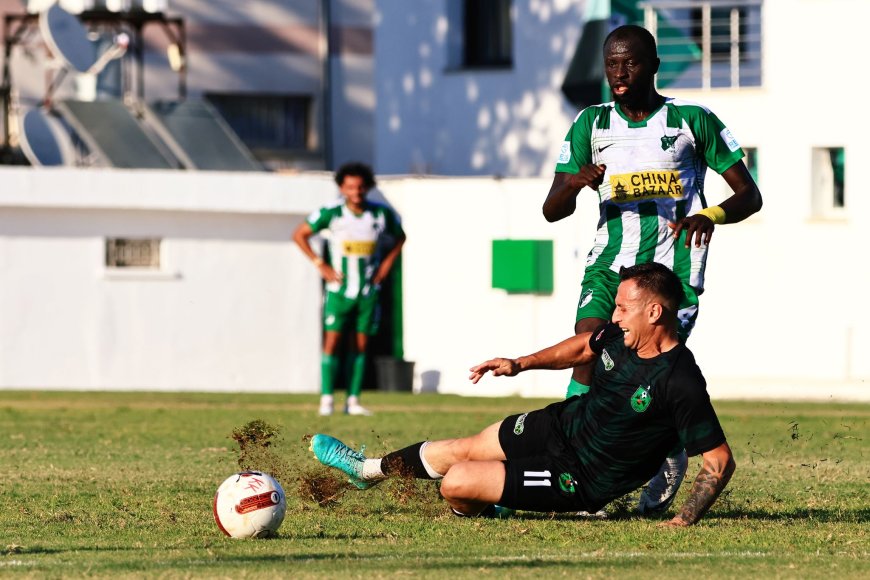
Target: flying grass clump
{"points": [[255, 440]]}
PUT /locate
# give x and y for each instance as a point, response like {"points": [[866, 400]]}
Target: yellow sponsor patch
{"points": [[352, 248], [629, 187]]}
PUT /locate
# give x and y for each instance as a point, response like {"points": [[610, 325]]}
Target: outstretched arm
{"points": [[567, 354], [714, 476], [562, 199]]}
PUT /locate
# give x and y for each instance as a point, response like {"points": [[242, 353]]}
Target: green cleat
{"points": [[333, 453]]}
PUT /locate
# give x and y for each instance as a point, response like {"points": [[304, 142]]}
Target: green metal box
{"points": [[523, 266]]}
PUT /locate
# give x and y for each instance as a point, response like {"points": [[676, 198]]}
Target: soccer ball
{"points": [[249, 504]]}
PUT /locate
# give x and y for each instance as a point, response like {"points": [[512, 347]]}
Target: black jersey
{"points": [[637, 411]]}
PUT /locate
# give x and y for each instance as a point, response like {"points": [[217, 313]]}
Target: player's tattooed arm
{"points": [[714, 476]]}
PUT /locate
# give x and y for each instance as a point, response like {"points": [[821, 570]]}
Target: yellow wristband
{"points": [[318, 262], [715, 213]]}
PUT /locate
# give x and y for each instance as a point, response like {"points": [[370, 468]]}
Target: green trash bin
{"points": [[394, 374]]}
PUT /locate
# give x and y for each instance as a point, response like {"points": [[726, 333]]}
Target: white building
{"points": [[230, 305]]}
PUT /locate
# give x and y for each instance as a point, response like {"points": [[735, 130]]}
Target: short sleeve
{"points": [[604, 334], [576, 149], [714, 140], [392, 223], [696, 421], [318, 219]]}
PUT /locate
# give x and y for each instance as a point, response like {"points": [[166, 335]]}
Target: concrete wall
{"points": [[433, 118], [235, 305], [774, 321]]}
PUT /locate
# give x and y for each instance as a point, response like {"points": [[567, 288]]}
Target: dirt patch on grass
{"points": [[321, 487]]}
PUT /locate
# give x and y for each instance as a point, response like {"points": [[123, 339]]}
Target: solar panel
{"points": [[200, 138], [111, 132]]}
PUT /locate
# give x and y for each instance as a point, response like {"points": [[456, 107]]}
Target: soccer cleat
{"points": [[659, 493], [358, 410], [333, 453]]}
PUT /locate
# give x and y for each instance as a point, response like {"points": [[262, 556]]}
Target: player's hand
{"points": [[499, 367], [328, 274], [590, 175], [675, 522], [699, 227]]}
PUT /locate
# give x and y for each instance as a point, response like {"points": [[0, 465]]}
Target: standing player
{"points": [[365, 238], [647, 157]]}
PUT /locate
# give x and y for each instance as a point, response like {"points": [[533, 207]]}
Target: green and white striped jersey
{"points": [[357, 243], [655, 175]]}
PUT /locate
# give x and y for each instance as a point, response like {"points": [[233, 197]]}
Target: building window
{"points": [[480, 34], [706, 43], [133, 253], [488, 34], [726, 25], [751, 161], [829, 172], [266, 122]]}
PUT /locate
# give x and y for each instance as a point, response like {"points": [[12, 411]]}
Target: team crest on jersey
{"points": [[585, 299], [669, 142], [641, 399], [567, 483], [605, 358]]}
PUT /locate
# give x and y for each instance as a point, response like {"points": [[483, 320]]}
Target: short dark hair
{"points": [[356, 169], [633, 32], [658, 279]]}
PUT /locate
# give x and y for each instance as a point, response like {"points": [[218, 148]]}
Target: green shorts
{"points": [[598, 300], [338, 309]]}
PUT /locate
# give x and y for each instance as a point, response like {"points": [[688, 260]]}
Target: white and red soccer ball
{"points": [[250, 504]]}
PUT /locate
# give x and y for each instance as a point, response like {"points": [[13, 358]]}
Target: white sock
{"points": [[353, 401], [372, 469], [429, 470], [326, 400]]}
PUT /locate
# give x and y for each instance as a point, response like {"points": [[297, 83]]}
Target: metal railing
{"points": [[707, 43]]}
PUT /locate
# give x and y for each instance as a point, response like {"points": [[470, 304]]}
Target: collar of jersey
{"points": [[353, 213], [636, 124]]}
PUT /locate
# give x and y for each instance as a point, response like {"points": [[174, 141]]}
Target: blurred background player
{"points": [[647, 156], [364, 239]]}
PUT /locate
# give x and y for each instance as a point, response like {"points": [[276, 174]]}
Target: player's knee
{"points": [[460, 449], [456, 484]]}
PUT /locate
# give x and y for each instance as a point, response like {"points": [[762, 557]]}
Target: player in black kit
{"points": [[648, 398]]}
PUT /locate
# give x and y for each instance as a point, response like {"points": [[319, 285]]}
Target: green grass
{"points": [[120, 484]]}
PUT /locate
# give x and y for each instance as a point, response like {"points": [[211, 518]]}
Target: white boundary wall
{"points": [[235, 305]]}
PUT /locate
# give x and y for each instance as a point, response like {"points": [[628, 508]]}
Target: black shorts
{"points": [[541, 469]]}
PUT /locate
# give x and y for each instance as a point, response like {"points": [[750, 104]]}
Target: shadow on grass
{"points": [[15, 550], [828, 515]]}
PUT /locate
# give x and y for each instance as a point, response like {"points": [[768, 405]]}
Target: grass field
{"points": [[99, 484]]}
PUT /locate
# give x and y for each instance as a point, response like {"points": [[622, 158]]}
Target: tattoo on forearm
{"points": [[705, 490]]}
